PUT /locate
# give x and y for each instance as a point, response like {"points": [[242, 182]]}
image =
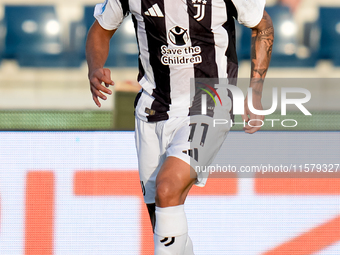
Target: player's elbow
{"points": [[266, 24]]}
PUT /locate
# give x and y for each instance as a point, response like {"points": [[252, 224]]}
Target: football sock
{"points": [[171, 231]]}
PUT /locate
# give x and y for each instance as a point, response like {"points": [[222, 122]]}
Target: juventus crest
{"points": [[200, 6]]}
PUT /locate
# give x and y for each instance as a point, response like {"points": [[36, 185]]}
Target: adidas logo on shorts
{"points": [[192, 153]]}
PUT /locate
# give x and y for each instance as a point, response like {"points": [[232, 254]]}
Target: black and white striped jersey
{"points": [[179, 40]]}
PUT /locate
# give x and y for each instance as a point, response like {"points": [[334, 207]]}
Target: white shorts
{"points": [[192, 139]]}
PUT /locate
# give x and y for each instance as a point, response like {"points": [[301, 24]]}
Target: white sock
{"points": [[171, 231]]}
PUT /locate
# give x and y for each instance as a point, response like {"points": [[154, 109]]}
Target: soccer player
{"points": [[181, 43]]}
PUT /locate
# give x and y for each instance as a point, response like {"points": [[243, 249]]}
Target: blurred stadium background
{"points": [[43, 73]]}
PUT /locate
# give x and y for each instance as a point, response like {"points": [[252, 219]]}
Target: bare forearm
{"points": [[97, 47], [97, 50], [261, 50]]}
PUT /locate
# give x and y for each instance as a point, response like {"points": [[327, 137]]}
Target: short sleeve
{"points": [[249, 12], [109, 14]]}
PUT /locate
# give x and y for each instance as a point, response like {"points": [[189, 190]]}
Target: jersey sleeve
{"points": [[110, 14], [249, 12]]}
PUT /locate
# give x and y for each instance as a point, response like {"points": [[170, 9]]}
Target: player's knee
{"points": [[167, 194]]}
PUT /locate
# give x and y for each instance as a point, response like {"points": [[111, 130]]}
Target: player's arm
{"points": [[261, 50], [97, 50]]}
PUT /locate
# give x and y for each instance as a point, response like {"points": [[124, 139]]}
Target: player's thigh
{"points": [[206, 139], [175, 176], [195, 140]]}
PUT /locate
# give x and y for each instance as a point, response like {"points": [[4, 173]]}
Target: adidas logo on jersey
{"points": [[154, 11]]}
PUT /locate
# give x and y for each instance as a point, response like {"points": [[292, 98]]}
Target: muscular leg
{"points": [[172, 187], [173, 182], [165, 180]]}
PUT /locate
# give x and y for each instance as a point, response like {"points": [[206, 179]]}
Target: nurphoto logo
{"points": [[238, 103]]}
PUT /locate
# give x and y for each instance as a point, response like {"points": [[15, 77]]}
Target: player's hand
{"points": [[97, 77], [248, 115]]}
